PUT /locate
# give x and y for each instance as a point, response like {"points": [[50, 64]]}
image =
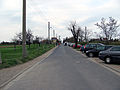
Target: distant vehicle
{"points": [[110, 55], [65, 44], [78, 45], [71, 45], [91, 46], [95, 52]]}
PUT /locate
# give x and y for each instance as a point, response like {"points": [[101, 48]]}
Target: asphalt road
{"points": [[66, 69]]}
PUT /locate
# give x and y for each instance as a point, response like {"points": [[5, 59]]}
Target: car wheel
{"points": [[108, 60], [90, 54]]}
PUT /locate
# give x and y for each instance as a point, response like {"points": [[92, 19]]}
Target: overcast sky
{"points": [[58, 12]]}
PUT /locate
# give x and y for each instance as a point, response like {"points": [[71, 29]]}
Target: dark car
{"points": [[110, 55], [91, 46], [95, 51]]}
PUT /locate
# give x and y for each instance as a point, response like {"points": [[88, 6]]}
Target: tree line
{"points": [[108, 31], [30, 38]]}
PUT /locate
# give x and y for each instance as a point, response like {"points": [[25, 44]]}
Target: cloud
{"points": [[39, 12], [12, 4]]}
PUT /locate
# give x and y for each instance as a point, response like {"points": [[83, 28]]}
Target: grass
{"points": [[78, 49], [11, 57]]}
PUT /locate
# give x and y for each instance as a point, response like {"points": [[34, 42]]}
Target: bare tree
{"points": [[75, 31], [15, 42], [109, 28], [98, 35], [29, 37], [38, 40], [18, 37]]}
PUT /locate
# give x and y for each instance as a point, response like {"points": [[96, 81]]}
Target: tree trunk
{"points": [[39, 44], [15, 46], [76, 43]]}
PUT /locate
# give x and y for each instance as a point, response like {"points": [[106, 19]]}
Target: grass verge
{"points": [[11, 57]]}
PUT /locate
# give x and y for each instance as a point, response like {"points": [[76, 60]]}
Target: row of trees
{"points": [[30, 38], [108, 31]]}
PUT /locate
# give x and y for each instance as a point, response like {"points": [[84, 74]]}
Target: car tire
{"points": [[91, 55], [108, 60]]}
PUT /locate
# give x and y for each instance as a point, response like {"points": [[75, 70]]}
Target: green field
{"points": [[12, 57]]}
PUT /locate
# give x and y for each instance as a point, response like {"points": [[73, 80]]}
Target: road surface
{"points": [[66, 69]]}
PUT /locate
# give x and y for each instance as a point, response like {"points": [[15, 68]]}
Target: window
{"points": [[101, 48], [115, 49], [93, 46]]}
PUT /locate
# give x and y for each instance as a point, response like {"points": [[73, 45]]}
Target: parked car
{"points": [[110, 55], [91, 46], [82, 48], [95, 51], [71, 45], [78, 45]]}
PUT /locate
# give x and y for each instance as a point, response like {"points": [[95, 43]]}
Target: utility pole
{"points": [[53, 33], [56, 35], [48, 30], [59, 37], [85, 34], [24, 50]]}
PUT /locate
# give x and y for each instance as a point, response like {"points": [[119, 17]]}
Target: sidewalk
{"points": [[8, 74]]}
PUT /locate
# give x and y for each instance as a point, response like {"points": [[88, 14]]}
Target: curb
{"points": [[106, 66], [14, 77]]}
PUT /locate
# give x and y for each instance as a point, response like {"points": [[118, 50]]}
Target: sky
{"points": [[59, 12]]}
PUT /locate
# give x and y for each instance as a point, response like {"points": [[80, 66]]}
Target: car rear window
{"points": [[93, 45], [107, 47], [100, 48]]}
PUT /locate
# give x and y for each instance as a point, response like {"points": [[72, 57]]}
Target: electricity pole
{"points": [[85, 34], [59, 37], [53, 33], [24, 50], [56, 35], [49, 31]]}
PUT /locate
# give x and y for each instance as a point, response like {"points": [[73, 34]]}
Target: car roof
{"points": [[96, 43], [116, 46]]}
